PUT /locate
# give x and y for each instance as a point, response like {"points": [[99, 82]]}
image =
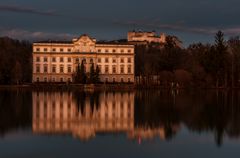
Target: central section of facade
{"points": [[58, 61]]}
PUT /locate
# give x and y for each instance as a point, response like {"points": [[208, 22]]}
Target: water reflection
{"points": [[140, 115], [82, 114]]}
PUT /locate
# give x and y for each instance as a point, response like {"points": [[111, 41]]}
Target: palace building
{"points": [[58, 61]]}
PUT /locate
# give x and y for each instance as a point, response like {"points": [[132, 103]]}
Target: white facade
{"points": [[57, 61], [139, 36]]}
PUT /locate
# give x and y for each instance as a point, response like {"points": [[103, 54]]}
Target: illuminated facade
{"points": [[57, 61], [139, 36]]}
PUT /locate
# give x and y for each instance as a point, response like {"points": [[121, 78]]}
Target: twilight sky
{"points": [[190, 20]]}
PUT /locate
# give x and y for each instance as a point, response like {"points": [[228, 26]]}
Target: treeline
{"points": [[15, 61], [200, 65]]}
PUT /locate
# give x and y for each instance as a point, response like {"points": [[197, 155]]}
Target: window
{"points": [[53, 59], [106, 50], [61, 49], [69, 69], [77, 60], [129, 60], [61, 59], [106, 69], [45, 79], [122, 69], [45, 59], [69, 50], [37, 59], [122, 60], [129, 80], [106, 60], [122, 80], [69, 60], [38, 49], [114, 69], [54, 49], [99, 60], [99, 50], [129, 69], [114, 51], [53, 69], [61, 69], [122, 51], [38, 68], [91, 61], [114, 60], [113, 82], [45, 49], [45, 68], [37, 79], [129, 51]]}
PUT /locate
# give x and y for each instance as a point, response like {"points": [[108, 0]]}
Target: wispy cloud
{"points": [[34, 36], [180, 27], [28, 10]]}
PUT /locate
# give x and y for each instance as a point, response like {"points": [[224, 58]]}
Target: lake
{"points": [[107, 124]]}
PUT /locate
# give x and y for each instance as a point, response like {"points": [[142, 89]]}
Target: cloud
{"points": [[180, 27], [28, 10], [34, 36]]}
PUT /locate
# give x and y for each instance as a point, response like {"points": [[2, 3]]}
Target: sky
{"points": [[191, 21]]}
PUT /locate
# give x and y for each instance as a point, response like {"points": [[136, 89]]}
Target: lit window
{"points": [[129, 69], [114, 69], [122, 69], [45, 68], [61, 69], [69, 69], [106, 69], [45, 59], [37, 59], [122, 60], [106, 60], [38, 68], [53, 59], [53, 69]]}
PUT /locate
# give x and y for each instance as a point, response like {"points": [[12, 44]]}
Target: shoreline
{"points": [[96, 87]]}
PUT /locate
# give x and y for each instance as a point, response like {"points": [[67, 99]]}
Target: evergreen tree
{"points": [[92, 74]]}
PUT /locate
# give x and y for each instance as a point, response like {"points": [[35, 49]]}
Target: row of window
{"points": [[69, 69], [77, 60], [54, 69], [70, 50], [53, 49]]}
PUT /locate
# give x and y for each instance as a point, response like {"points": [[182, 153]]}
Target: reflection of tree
{"points": [[217, 112], [81, 98], [15, 110], [154, 110]]}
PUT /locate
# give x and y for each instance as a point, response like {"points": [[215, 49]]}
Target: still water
{"points": [[52, 124]]}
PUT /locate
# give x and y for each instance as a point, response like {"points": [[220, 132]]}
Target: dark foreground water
{"points": [[135, 124]]}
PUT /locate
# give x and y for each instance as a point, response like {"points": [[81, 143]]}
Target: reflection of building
{"points": [[57, 61], [58, 112], [139, 36]]}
